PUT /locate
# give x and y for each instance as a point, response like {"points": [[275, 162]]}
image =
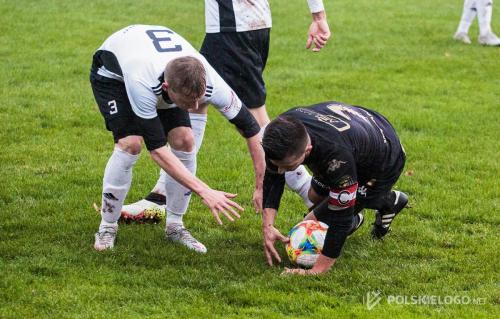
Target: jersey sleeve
{"points": [[225, 100], [274, 185], [341, 178]]}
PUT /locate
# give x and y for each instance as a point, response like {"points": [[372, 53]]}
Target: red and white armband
{"points": [[342, 197]]}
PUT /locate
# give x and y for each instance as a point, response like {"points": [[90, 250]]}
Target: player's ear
{"points": [[308, 148], [164, 86]]}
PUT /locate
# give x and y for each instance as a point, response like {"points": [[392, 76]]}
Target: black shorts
{"points": [[371, 188], [112, 99], [240, 59]]}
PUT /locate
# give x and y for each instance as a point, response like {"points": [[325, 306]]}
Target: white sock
{"points": [[160, 183], [178, 196], [115, 185], [468, 14], [299, 181], [198, 124], [484, 11]]}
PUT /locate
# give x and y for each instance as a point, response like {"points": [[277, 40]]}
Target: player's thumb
{"points": [[309, 41], [229, 195], [283, 238]]}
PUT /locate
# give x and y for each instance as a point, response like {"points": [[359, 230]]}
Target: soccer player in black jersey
{"points": [[355, 157]]}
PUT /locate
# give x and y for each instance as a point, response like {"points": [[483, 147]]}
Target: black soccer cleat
{"points": [[356, 223], [383, 220]]}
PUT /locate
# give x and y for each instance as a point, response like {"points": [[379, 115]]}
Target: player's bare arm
{"points": [[217, 201]]}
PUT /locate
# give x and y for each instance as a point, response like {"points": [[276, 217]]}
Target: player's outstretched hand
{"points": [[319, 33], [220, 203], [271, 235]]}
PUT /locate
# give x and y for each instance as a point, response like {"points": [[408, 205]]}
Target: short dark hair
{"points": [[284, 136], [186, 75]]}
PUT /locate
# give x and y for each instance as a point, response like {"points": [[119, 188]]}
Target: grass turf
{"points": [[395, 57]]}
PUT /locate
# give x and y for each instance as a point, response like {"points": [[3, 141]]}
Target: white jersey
{"points": [[142, 53], [237, 15]]}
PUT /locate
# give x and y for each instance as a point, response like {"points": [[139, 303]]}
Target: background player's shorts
{"points": [[240, 59], [112, 99]]}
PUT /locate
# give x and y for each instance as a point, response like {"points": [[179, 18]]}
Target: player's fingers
{"points": [[284, 239], [318, 44], [320, 40], [268, 257], [230, 195], [234, 204], [227, 215], [309, 41], [274, 252], [216, 216], [235, 213]]}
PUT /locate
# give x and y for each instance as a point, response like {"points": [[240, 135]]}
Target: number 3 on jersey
{"points": [[112, 107], [161, 43]]}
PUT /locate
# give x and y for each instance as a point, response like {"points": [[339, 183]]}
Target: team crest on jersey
{"points": [[334, 164]]}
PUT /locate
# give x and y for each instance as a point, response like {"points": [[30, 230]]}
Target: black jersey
{"points": [[351, 144]]}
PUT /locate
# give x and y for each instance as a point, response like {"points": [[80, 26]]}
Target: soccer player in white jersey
{"points": [[236, 44], [483, 10], [145, 79]]}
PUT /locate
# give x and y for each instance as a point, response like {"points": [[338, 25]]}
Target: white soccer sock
{"points": [[484, 11], [468, 14], [115, 185], [198, 124], [178, 196], [299, 181]]}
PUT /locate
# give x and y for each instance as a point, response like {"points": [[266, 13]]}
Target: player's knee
{"points": [[131, 144], [181, 139]]}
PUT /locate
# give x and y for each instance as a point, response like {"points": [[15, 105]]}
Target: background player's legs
{"points": [[468, 14], [116, 183], [298, 180], [484, 12]]}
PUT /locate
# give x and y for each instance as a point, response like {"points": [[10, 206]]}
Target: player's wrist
{"points": [[319, 16]]}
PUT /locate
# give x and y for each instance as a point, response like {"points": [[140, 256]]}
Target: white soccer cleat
{"points": [[178, 234], [490, 39], [105, 238], [462, 37], [143, 211]]}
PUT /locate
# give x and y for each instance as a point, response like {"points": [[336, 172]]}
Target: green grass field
{"points": [[396, 57]]}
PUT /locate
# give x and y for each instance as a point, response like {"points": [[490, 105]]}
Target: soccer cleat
{"points": [[463, 37], [357, 222], [383, 220], [178, 234], [150, 209], [490, 39], [105, 238]]}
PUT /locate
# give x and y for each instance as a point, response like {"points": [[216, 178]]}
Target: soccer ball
{"points": [[306, 242]]}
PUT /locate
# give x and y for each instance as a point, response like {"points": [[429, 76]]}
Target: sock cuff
{"points": [[182, 155], [198, 117], [125, 156]]}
